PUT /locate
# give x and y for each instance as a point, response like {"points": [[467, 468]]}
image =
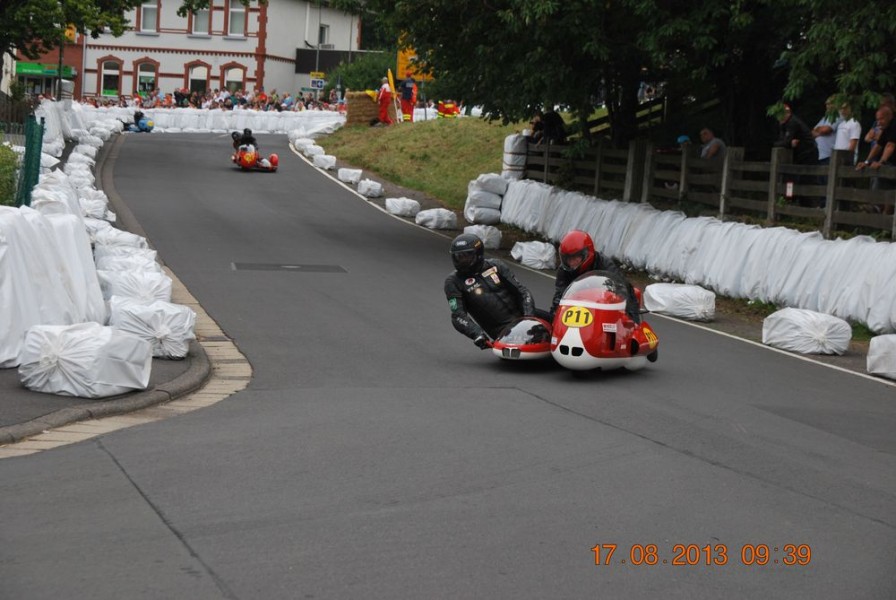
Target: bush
{"points": [[8, 162]]}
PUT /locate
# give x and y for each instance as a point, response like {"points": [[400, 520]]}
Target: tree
{"points": [[845, 47], [364, 72], [515, 56]]}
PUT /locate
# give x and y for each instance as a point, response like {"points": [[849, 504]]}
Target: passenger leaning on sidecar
{"points": [[483, 294], [577, 257]]}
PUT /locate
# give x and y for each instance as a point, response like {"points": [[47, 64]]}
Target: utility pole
{"points": [[317, 52]]}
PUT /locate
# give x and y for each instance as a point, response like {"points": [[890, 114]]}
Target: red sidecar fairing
{"points": [[248, 159], [529, 338], [591, 329]]}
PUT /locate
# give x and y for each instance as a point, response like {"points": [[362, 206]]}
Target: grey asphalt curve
{"points": [[378, 454]]}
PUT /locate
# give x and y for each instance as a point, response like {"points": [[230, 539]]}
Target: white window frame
{"points": [[204, 79], [234, 8], [149, 25], [229, 73], [208, 22]]}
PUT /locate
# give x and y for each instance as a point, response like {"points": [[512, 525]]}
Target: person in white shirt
{"points": [[824, 133], [848, 133]]}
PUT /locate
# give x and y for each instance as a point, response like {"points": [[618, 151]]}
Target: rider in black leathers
{"points": [[483, 294], [245, 139]]}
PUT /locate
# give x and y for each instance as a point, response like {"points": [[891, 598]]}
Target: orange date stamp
{"points": [[682, 555]]}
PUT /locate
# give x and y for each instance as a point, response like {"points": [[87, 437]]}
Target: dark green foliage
{"points": [[515, 56], [365, 72], [8, 161]]}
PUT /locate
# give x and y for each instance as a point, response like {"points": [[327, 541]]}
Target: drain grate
{"points": [[288, 267]]}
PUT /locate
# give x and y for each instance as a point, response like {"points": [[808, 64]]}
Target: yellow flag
{"points": [[391, 82]]}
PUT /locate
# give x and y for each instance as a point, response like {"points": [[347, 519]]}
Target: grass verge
{"points": [[438, 157]]}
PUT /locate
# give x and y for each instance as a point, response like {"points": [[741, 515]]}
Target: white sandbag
{"points": [[102, 251], [47, 161], [117, 237], [515, 148], [483, 199], [93, 226], [490, 236], [351, 176], [538, 255], [403, 207], [313, 150], [300, 142], [78, 158], [167, 327], [483, 216], [806, 332], [85, 360], [133, 262], [436, 218], [489, 182], [370, 188], [324, 161], [95, 208], [881, 359], [86, 150], [690, 302], [143, 286]]}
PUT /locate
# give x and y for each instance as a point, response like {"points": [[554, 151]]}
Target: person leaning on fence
{"points": [[874, 130], [848, 133], [882, 151], [713, 147], [793, 133]]}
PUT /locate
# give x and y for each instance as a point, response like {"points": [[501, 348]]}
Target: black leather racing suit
{"points": [[249, 140], [487, 301]]}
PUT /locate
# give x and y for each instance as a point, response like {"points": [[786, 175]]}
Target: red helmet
{"points": [[577, 252]]}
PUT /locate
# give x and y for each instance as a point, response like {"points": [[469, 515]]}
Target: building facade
{"points": [[272, 46]]}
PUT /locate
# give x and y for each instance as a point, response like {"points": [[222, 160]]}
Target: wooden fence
{"points": [[830, 198]]}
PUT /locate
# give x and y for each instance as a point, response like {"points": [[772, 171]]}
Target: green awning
{"points": [[26, 68]]}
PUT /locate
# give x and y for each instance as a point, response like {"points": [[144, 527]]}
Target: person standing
{"points": [[793, 133], [848, 133], [712, 147], [384, 99], [825, 132], [408, 98], [882, 151]]}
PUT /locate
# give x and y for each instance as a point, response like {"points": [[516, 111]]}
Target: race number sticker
{"points": [[651, 337], [577, 317]]}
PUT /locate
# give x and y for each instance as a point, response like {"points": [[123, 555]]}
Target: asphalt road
{"points": [[378, 454]]}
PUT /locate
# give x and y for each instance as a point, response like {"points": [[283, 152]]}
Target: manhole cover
{"points": [[288, 267]]}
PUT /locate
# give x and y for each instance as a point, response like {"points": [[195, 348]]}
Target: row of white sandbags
{"points": [[852, 279], [199, 120], [70, 353], [435, 218]]}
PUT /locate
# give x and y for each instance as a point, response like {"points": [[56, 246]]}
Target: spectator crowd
{"points": [[224, 99]]}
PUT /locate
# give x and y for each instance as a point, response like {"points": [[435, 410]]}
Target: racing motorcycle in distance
{"points": [[591, 329], [247, 158]]}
